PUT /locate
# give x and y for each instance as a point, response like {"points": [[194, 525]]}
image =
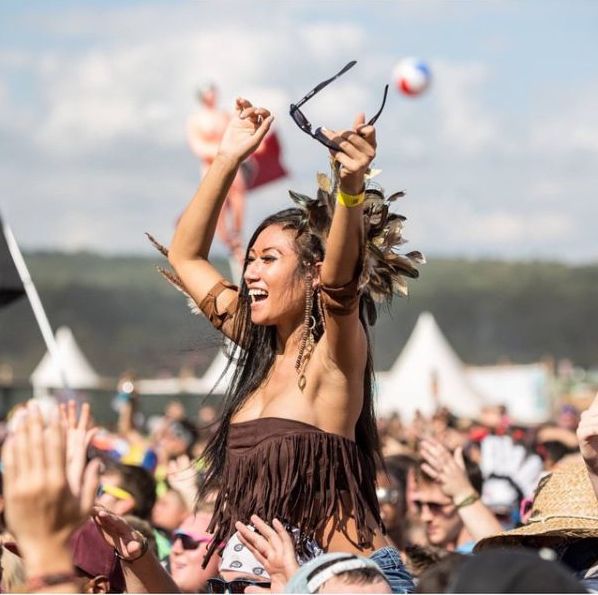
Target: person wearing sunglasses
{"points": [[447, 499], [298, 437], [239, 570], [189, 544], [127, 489]]}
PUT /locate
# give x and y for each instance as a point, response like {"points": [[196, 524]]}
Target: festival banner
{"points": [[264, 166]]}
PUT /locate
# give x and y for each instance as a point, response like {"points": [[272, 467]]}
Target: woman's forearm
{"points": [[48, 558], [147, 575], [195, 231], [343, 246]]}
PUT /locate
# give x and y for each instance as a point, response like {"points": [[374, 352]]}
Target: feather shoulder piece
{"points": [[172, 277], [385, 270]]}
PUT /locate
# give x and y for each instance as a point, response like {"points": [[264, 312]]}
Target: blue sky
{"points": [[499, 157]]}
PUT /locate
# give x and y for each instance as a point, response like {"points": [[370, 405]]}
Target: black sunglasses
{"points": [[434, 507], [188, 542], [305, 125], [218, 585]]}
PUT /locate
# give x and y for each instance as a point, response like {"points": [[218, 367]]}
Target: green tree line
{"points": [[126, 317]]}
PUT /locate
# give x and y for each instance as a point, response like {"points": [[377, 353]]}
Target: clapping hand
{"points": [[42, 505]]}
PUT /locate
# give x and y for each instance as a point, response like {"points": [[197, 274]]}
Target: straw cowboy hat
{"points": [[565, 508]]}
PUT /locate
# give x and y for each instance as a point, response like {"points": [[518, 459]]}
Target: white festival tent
{"points": [[524, 389], [77, 370], [427, 374]]}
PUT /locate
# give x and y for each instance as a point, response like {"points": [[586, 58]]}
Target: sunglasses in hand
{"points": [[305, 125], [218, 585]]}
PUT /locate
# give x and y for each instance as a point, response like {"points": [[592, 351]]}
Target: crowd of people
{"points": [[294, 485], [471, 506]]}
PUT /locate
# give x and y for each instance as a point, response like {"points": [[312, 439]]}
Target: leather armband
{"points": [[343, 300], [209, 306]]}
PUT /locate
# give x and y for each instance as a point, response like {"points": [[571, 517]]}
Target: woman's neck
{"points": [[288, 337]]}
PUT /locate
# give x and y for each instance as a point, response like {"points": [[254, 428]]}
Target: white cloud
{"points": [[573, 126], [109, 120], [331, 42], [464, 123], [147, 89]]}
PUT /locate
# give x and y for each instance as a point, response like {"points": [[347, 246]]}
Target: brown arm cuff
{"points": [[210, 309], [343, 300]]}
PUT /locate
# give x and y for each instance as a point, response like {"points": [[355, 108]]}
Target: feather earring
{"points": [[384, 270]]}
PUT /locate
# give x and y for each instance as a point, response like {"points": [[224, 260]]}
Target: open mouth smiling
{"points": [[257, 295]]}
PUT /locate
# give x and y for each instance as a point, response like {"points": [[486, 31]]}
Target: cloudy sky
{"points": [[499, 157]]}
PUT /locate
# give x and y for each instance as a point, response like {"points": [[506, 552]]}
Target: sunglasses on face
{"points": [[218, 585], [188, 542], [305, 125], [435, 508]]}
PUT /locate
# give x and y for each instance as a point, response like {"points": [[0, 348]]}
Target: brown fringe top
{"points": [[295, 472]]}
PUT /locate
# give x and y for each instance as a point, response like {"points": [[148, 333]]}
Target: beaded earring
{"points": [[306, 345]]}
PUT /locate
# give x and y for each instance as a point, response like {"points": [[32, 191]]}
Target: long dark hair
{"points": [[250, 371]]}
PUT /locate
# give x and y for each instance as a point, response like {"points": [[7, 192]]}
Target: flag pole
{"points": [[36, 304]]}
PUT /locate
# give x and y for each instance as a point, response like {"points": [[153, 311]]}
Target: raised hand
{"points": [[587, 434], [78, 438], [42, 510], [245, 131], [448, 470], [128, 542], [181, 476], [358, 149], [273, 548]]}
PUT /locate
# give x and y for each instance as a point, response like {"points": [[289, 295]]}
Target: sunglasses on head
{"points": [[188, 542], [305, 125], [218, 585], [435, 508]]}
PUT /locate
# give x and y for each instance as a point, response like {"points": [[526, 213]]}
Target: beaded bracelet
{"points": [[349, 200], [144, 548]]}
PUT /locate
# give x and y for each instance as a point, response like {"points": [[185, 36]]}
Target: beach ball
{"points": [[412, 76]]}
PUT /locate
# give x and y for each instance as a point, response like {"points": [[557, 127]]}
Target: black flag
{"points": [[11, 286]]}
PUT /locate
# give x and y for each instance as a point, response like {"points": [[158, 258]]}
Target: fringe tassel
{"points": [[304, 477]]}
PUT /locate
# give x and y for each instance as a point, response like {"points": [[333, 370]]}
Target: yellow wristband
{"points": [[349, 200], [468, 501]]}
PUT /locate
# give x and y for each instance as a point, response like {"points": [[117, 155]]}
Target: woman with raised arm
{"points": [[298, 438]]}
